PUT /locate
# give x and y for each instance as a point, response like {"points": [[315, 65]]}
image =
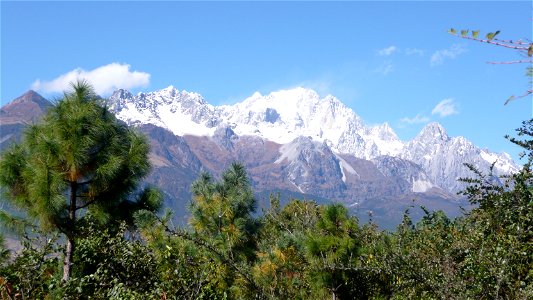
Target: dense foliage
{"points": [[78, 161], [300, 251]]}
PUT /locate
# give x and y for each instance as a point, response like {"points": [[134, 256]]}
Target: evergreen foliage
{"points": [[79, 161], [222, 211]]}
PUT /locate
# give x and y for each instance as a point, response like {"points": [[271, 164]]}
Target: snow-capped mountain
{"points": [[180, 112], [286, 115], [409, 171], [291, 142], [443, 157], [279, 117]]}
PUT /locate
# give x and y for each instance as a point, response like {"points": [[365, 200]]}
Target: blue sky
{"points": [[389, 61]]}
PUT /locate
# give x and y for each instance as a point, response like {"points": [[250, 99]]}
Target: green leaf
{"points": [[475, 34], [464, 32]]}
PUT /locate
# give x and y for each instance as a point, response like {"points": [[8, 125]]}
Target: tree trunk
{"points": [[67, 263], [334, 292], [68, 259]]}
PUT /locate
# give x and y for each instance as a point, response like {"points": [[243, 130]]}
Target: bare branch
{"points": [[511, 62], [517, 42], [529, 92], [524, 48], [497, 43]]}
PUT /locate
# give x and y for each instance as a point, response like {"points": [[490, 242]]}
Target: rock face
{"points": [[283, 116], [409, 176], [17, 114], [180, 112], [292, 142], [278, 117], [443, 157]]}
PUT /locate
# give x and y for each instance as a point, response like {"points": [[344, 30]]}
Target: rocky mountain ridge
{"points": [[323, 151], [17, 114], [285, 116]]}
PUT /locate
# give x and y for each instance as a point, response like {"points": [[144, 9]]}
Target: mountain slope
{"points": [[18, 113], [443, 157], [291, 142], [285, 115], [279, 117]]}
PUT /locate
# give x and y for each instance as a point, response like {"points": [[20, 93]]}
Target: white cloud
{"points": [[445, 108], [105, 79], [385, 69], [439, 56], [415, 120], [414, 51], [387, 51]]}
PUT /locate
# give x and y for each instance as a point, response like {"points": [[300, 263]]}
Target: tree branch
{"points": [[529, 92], [87, 181], [209, 247], [85, 205], [518, 42], [510, 62], [497, 43]]}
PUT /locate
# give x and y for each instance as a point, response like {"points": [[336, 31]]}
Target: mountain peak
{"points": [[432, 131], [286, 96], [25, 108], [301, 115], [295, 94], [31, 96], [169, 91], [386, 127], [121, 94], [384, 132]]}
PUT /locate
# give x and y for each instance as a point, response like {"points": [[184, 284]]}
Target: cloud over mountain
{"points": [[415, 120], [105, 79], [445, 108]]}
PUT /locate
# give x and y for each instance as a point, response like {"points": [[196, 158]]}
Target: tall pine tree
{"points": [[80, 160], [223, 210]]}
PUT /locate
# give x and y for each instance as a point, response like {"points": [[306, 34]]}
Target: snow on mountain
{"points": [[284, 116], [421, 185], [279, 117], [287, 114], [443, 157], [182, 113], [412, 173], [345, 166], [311, 165]]}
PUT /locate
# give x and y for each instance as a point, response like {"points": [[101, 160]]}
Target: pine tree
{"points": [[332, 248], [80, 160], [221, 216], [223, 211]]}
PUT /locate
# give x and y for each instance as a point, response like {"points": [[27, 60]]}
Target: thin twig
{"points": [[506, 45], [510, 62]]}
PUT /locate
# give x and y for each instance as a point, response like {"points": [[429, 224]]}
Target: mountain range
{"points": [[292, 142]]}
